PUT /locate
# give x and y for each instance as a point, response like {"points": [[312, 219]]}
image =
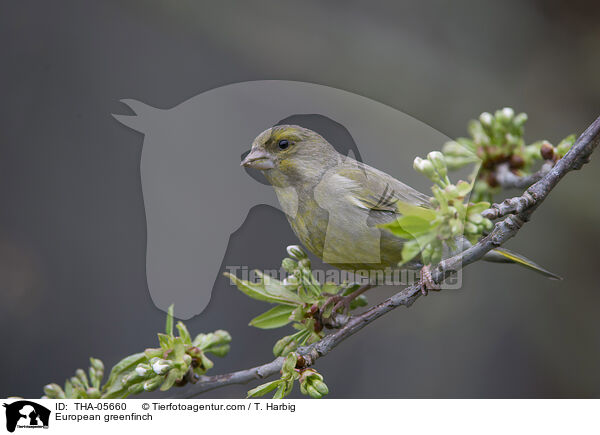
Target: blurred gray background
{"points": [[72, 224]]}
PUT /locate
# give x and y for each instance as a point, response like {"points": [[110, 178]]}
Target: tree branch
{"points": [[521, 208], [508, 180]]}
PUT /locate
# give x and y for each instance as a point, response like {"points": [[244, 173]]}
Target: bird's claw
{"points": [[427, 282]]}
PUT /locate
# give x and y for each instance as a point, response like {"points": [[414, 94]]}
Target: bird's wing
{"points": [[378, 192]]}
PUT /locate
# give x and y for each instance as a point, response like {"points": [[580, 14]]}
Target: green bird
{"points": [[334, 203]]}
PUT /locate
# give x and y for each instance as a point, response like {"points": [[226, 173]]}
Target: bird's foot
{"points": [[427, 282]]}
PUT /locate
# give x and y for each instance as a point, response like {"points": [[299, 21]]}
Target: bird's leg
{"points": [[427, 282]]}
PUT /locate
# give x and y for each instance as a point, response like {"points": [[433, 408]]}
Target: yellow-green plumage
{"points": [[334, 203]]}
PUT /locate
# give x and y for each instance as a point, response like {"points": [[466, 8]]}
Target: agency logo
{"points": [[24, 414]]}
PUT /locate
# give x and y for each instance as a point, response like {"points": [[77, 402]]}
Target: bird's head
{"points": [[289, 154]]}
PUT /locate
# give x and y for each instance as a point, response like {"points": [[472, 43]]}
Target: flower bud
{"points": [[516, 161], [77, 383], [486, 119], [53, 391], [296, 252], [520, 119], [136, 388], [161, 366], [439, 163], [476, 218], [134, 378], [308, 373], [456, 226], [92, 375], [547, 151], [426, 168], [451, 191], [487, 224], [507, 113], [312, 391], [564, 146], [152, 384], [142, 369], [320, 386], [291, 282], [289, 265], [82, 377], [97, 365], [194, 351], [304, 263], [93, 393], [471, 228]]}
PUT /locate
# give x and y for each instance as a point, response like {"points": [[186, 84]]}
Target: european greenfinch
{"points": [[334, 203]]}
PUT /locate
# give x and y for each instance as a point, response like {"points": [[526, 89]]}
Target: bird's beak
{"points": [[258, 159]]}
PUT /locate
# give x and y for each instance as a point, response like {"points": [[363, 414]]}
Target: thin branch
{"points": [[509, 180], [522, 207]]}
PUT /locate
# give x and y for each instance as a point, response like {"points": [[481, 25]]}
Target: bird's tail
{"points": [[501, 255]]}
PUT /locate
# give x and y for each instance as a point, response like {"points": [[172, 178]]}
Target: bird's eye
{"points": [[283, 144]]}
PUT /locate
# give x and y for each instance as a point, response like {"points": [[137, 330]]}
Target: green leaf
{"points": [[281, 390], [219, 351], [463, 188], [412, 248], [207, 342], [409, 227], [277, 289], [478, 207], [184, 333], [330, 287], [360, 301], [467, 143], [289, 363], [458, 162], [328, 310], [123, 367], [289, 343], [169, 325], [170, 379], [350, 288], [253, 290], [457, 149], [178, 349], [276, 294], [276, 317], [165, 340], [414, 210], [216, 342], [263, 389], [68, 389]]}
